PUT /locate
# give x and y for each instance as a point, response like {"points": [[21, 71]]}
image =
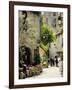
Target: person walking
{"points": [[51, 62], [56, 61]]}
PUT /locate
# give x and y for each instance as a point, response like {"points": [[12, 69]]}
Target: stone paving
{"points": [[48, 72]]}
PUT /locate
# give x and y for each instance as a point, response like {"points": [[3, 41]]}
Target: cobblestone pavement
{"points": [[49, 72]]}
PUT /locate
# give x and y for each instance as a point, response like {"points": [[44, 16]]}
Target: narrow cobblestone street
{"points": [[48, 72]]}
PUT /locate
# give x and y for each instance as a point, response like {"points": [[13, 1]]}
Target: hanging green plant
{"points": [[47, 35]]}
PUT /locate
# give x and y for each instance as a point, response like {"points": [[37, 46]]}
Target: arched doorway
{"points": [[27, 58], [25, 55]]}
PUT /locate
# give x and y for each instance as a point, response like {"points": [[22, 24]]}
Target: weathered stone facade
{"points": [[30, 37], [51, 19]]}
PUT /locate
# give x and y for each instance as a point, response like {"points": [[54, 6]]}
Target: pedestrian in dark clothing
{"points": [[51, 61], [56, 61]]}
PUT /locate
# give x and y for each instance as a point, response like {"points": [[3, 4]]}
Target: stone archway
{"points": [[25, 54]]}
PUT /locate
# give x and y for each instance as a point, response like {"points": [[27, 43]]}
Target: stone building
{"points": [[30, 28], [30, 35], [55, 21]]}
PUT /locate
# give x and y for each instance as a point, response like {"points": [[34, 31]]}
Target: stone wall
{"points": [[51, 19], [30, 37]]}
